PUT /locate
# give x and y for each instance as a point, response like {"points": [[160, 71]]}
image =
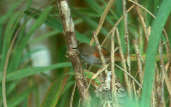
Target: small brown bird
{"points": [[90, 54]]}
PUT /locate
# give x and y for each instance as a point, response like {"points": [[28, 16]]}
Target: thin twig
{"points": [[113, 82], [72, 95], [142, 8], [129, 75], [142, 22], [162, 75], [102, 19], [113, 62], [139, 59], [125, 15], [116, 24], [99, 49], [134, 88], [6, 67], [96, 75], [123, 62], [167, 81], [153, 98]]}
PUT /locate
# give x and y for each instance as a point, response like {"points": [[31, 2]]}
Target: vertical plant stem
{"points": [[72, 95], [101, 55], [142, 21], [5, 69], [125, 16], [155, 36], [140, 69], [100, 50], [113, 61], [123, 61], [71, 42]]}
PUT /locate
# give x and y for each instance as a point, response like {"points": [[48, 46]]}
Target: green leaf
{"points": [[33, 70], [154, 39], [8, 36]]}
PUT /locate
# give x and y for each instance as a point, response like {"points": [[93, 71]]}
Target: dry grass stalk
{"points": [[96, 75], [116, 24], [162, 66], [113, 61], [72, 95], [123, 62], [102, 19], [139, 60], [6, 67], [139, 12]]}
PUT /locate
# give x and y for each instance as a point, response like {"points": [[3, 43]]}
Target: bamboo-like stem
{"points": [[71, 42]]}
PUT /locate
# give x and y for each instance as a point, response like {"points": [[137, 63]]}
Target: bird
{"points": [[90, 54]]}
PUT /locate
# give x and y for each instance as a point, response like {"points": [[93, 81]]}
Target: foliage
{"points": [[24, 81]]}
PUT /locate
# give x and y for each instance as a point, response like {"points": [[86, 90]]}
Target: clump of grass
{"points": [[144, 54]]}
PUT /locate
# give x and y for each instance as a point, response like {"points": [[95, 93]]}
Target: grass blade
{"points": [[154, 39], [34, 70]]}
